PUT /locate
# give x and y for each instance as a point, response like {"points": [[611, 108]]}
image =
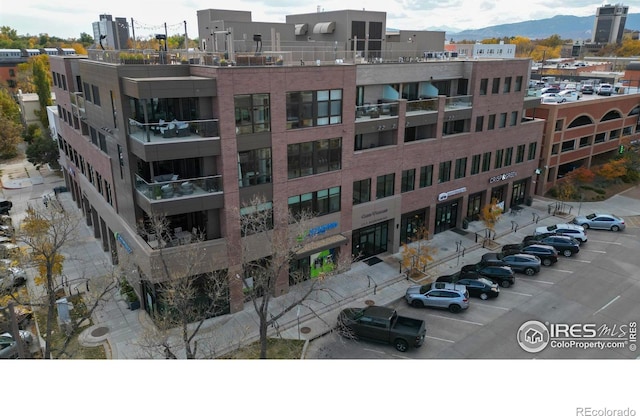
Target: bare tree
{"points": [[188, 297], [46, 232], [283, 236]]}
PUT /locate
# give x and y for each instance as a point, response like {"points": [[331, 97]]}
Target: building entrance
{"points": [[370, 241], [446, 216]]}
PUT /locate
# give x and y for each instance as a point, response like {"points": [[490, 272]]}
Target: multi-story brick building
{"points": [[374, 150], [585, 133]]}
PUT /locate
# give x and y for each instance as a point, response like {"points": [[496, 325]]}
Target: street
{"points": [[599, 285]]}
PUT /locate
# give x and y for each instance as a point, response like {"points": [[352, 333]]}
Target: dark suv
{"points": [[5, 206], [502, 275], [547, 254], [566, 245]]}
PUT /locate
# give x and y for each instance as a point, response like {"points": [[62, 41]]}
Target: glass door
{"points": [[446, 217]]}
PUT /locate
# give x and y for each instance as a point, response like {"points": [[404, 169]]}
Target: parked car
{"points": [[5, 206], [547, 90], [438, 295], [605, 89], [523, 263], [587, 89], [9, 346], [502, 275], [552, 97], [378, 323], [566, 245], [572, 230], [11, 276], [600, 221], [547, 254], [478, 287], [569, 95]]}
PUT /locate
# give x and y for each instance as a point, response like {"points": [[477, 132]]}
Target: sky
{"points": [[69, 18]]}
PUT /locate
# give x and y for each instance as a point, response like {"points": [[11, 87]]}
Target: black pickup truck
{"points": [[382, 324]]}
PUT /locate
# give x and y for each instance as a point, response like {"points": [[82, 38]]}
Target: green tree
{"points": [[42, 151], [8, 106], [10, 137], [42, 81], [33, 131]]}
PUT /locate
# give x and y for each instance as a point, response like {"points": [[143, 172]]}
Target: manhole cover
{"points": [[369, 302], [98, 332], [305, 330]]}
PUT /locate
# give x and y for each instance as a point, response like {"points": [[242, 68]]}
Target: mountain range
{"points": [[567, 27]]}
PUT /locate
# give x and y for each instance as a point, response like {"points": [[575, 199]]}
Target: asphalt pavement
{"points": [[124, 333]]}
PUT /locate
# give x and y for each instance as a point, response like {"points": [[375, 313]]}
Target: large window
{"points": [[426, 176], [518, 83], [254, 167], [520, 153], [492, 122], [310, 158], [479, 123], [495, 88], [486, 161], [461, 168], [317, 203], [503, 120], [532, 151], [253, 113], [475, 164], [508, 156], [384, 185], [444, 172], [408, 180], [361, 191], [506, 88], [498, 161], [568, 145], [314, 108], [484, 82]]}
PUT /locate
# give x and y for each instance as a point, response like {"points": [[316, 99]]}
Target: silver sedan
{"points": [[600, 222]]}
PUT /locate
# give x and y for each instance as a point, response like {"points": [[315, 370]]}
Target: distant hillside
{"points": [[567, 27]]}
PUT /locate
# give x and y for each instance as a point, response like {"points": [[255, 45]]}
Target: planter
{"points": [[133, 305], [465, 223], [528, 201]]}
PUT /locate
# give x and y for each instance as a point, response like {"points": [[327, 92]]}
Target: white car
{"points": [[10, 275], [569, 95], [572, 230], [604, 89], [551, 97]]}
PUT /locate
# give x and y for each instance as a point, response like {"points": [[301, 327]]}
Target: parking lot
{"points": [[597, 286]]}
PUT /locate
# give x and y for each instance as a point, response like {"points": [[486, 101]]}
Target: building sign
{"points": [[375, 216], [122, 242], [322, 229], [503, 177], [443, 196]]}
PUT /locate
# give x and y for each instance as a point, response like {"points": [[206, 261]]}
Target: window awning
{"points": [[324, 27], [302, 29], [320, 245]]}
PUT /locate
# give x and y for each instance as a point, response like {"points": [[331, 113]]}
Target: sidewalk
{"points": [[123, 331]]}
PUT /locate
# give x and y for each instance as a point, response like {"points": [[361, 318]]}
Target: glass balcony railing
{"points": [[177, 130], [458, 103], [178, 188], [430, 104], [369, 111]]}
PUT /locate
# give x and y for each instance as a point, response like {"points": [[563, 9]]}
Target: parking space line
{"points": [[440, 339], [562, 271], [517, 293], [455, 319], [376, 351], [401, 356], [610, 302], [527, 279], [579, 261], [491, 306], [604, 242], [594, 251]]}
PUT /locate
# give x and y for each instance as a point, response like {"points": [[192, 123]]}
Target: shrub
{"points": [[553, 192]]}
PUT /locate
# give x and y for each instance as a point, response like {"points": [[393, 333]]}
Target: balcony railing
{"points": [[430, 104], [177, 130], [459, 102], [171, 189], [371, 111]]}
